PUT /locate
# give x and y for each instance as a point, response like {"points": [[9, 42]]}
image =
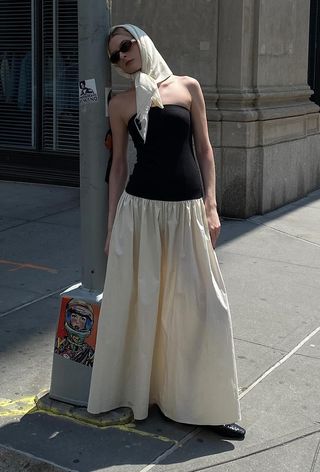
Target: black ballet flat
{"points": [[232, 430]]}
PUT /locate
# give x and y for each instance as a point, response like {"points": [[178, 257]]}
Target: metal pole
{"points": [[94, 22], [80, 305]]}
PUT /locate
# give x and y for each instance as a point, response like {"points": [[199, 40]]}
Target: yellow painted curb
{"points": [[42, 404], [18, 407]]}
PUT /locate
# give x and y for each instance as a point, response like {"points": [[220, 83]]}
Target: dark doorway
{"points": [[314, 50]]}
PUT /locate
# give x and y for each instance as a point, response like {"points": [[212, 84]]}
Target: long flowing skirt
{"points": [[165, 333]]}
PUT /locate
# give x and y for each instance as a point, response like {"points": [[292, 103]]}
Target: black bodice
{"points": [[166, 168]]}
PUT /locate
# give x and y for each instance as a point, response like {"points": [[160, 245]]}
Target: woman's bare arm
{"points": [[205, 157], [119, 169]]}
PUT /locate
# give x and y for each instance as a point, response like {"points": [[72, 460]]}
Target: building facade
{"points": [[258, 64]]}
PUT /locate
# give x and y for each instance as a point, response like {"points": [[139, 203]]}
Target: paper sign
{"points": [[88, 91]]}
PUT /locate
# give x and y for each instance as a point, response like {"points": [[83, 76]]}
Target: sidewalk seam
{"points": [[36, 458], [44, 297], [14, 225], [279, 363], [38, 220], [309, 357], [315, 458], [259, 451], [283, 351], [249, 453], [171, 450], [265, 259], [282, 232]]}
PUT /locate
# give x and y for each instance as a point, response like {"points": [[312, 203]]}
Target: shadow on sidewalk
{"points": [[233, 228], [84, 448]]}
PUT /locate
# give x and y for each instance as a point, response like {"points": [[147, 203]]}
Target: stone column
{"points": [[269, 127]]}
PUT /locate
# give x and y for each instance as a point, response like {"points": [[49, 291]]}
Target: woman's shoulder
{"points": [[187, 80], [191, 84], [123, 97], [122, 103]]}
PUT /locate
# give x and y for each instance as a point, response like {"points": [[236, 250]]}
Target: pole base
{"points": [[74, 346], [55, 407]]}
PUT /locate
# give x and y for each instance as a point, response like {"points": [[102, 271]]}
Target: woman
{"points": [[165, 332]]}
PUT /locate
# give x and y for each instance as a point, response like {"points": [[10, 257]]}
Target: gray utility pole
{"points": [[94, 23], [80, 305]]}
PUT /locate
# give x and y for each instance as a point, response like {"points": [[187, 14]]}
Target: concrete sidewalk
{"points": [[271, 266]]}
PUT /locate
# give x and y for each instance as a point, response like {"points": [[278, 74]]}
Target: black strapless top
{"points": [[166, 168]]}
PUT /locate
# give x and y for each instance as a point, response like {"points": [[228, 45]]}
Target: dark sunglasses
{"points": [[125, 47]]}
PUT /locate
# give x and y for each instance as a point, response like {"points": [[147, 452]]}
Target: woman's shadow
{"points": [[80, 447]]}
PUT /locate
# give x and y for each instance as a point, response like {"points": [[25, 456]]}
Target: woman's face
{"points": [[78, 322], [130, 61]]}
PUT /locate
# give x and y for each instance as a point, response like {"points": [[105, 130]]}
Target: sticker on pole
{"points": [[88, 91], [77, 330]]}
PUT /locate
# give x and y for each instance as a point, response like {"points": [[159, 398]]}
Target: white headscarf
{"points": [[154, 70]]}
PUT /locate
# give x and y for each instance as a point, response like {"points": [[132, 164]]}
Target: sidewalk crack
{"points": [[283, 351], [36, 300], [38, 219], [265, 449], [309, 357], [315, 458], [257, 223]]}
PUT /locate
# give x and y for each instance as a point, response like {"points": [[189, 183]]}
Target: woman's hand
{"points": [[213, 224], [106, 247]]}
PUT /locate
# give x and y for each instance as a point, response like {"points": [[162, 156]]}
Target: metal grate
{"points": [[60, 103], [16, 74]]}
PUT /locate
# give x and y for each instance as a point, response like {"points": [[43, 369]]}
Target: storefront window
{"points": [[60, 109], [16, 74], [39, 105]]}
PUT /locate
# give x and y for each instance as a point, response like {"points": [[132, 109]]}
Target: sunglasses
{"points": [[125, 47]]}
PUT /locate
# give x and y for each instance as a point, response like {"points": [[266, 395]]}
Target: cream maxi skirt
{"points": [[164, 333]]}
